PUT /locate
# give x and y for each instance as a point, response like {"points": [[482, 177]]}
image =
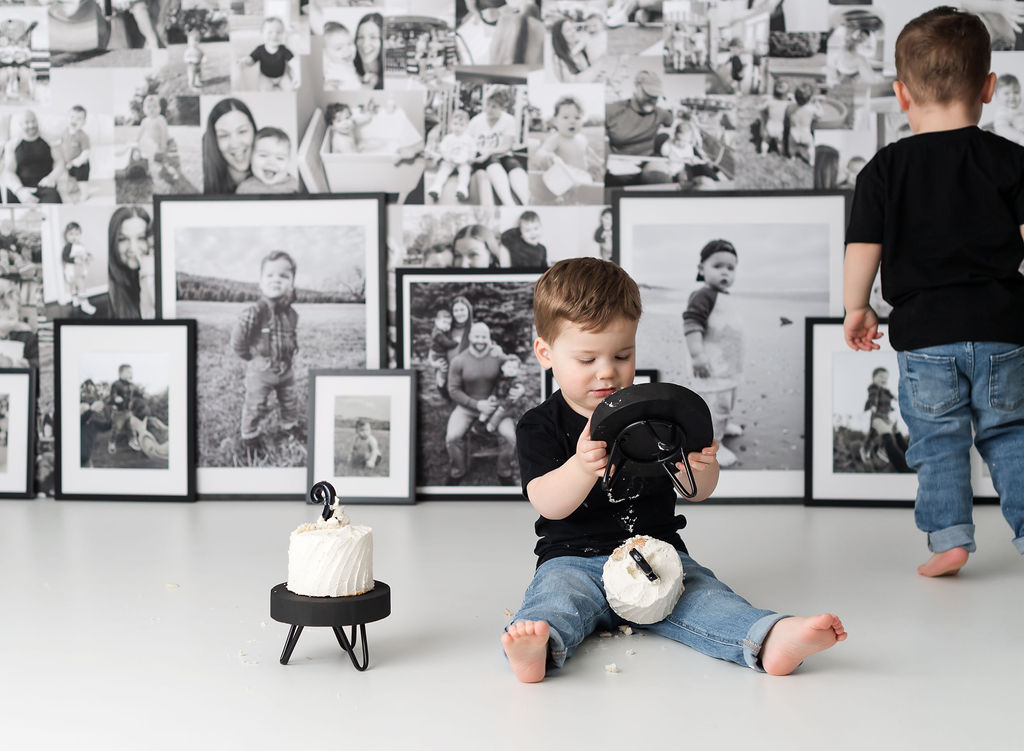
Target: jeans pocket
{"points": [[1006, 384], [934, 384]]}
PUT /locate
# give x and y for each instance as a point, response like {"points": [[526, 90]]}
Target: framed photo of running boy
{"points": [[17, 432], [125, 410], [362, 424], [856, 439], [468, 335], [726, 281], [278, 286]]}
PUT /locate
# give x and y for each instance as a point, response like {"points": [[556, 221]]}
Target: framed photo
{"points": [[469, 337], [856, 438], [362, 428], [785, 264], [125, 410], [278, 286], [17, 439], [640, 375]]}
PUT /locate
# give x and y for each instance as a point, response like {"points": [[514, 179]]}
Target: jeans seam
{"points": [[706, 635]]}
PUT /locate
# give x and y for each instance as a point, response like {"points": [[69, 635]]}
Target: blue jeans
{"points": [[568, 593], [944, 390]]}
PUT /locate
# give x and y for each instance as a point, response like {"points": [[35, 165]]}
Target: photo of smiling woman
{"points": [[227, 146], [130, 264]]}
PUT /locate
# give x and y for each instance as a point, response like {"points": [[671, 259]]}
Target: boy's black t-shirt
{"points": [[546, 437], [947, 208]]}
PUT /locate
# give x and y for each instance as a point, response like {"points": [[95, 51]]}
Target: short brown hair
{"points": [[944, 56], [587, 292]]}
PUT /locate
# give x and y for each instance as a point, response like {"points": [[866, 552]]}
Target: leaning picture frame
{"points": [[125, 410], [362, 428], [17, 432], [214, 260], [786, 259], [856, 438], [464, 453]]}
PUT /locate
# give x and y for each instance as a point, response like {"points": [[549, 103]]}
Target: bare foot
{"points": [[526, 644], [946, 563], [793, 639]]}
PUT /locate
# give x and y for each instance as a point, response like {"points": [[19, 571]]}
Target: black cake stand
{"points": [[336, 612]]}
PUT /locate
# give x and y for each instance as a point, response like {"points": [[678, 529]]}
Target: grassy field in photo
{"points": [[344, 430]]}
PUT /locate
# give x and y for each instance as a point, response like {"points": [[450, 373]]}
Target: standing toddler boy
{"points": [[943, 212]]}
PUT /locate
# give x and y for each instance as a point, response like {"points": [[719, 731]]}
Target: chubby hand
{"points": [[592, 455], [701, 460], [701, 366], [860, 329]]}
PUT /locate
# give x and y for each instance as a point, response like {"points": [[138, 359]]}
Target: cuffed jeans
{"points": [[944, 390], [568, 593]]}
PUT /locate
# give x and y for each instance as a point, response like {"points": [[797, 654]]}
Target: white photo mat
{"points": [[15, 477]]}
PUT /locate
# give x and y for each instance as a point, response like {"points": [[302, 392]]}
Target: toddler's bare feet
{"points": [[793, 639], [946, 563], [526, 644]]}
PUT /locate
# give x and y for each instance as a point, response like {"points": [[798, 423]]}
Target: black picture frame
{"points": [[17, 432], [146, 458]]}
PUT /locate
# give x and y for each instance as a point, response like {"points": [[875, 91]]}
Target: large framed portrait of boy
{"points": [[17, 432], [856, 438], [362, 428], [277, 286], [125, 410], [468, 335], [726, 281]]}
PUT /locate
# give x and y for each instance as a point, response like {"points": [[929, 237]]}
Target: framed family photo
{"points": [[740, 271], [125, 410], [468, 335], [278, 286], [362, 428], [17, 434], [856, 438]]}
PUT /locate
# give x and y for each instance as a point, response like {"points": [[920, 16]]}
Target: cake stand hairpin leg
{"points": [[349, 644], [289, 644]]}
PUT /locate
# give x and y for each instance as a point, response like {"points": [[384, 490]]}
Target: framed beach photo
{"points": [[362, 428], [17, 432], [468, 335], [771, 261], [125, 410], [277, 287], [856, 438]]}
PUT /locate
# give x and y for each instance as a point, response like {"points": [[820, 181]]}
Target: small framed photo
{"points": [[772, 259], [362, 428], [17, 439], [469, 337], [125, 410], [278, 286]]}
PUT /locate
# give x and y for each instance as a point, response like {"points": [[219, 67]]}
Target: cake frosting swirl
{"points": [[630, 591], [330, 558]]}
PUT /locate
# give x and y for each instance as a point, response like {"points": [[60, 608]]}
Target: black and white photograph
{"points": [[17, 429], [349, 50], [249, 144], [362, 428], [365, 140], [1004, 115], [120, 34], [24, 55], [99, 263], [420, 48], [577, 41], [726, 281], [266, 50], [277, 287], [21, 241], [125, 409], [509, 34], [469, 337]]}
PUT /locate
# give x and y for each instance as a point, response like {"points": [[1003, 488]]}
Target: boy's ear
{"points": [[902, 94], [989, 89], [542, 350]]}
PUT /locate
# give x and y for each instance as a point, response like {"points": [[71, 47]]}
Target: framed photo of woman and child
{"points": [[17, 432], [278, 286], [726, 281], [856, 437], [362, 428], [469, 337], [125, 410]]}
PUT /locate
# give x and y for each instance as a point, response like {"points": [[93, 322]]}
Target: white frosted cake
{"points": [[330, 558], [631, 592]]}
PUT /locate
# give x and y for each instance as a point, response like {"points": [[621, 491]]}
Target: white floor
{"points": [[147, 626]]}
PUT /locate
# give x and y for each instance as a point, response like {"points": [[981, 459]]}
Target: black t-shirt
{"points": [[272, 65], [545, 438], [947, 208]]}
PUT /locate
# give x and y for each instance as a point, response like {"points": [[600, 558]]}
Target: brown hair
{"points": [[587, 292], [943, 56]]}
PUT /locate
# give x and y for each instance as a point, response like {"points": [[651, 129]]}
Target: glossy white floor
{"points": [[147, 626]]}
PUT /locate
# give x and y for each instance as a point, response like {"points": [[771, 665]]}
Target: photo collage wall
{"points": [[157, 152]]}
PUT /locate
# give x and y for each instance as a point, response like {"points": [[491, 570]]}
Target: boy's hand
{"points": [[701, 366], [701, 460], [860, 329], [592, 455]]}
